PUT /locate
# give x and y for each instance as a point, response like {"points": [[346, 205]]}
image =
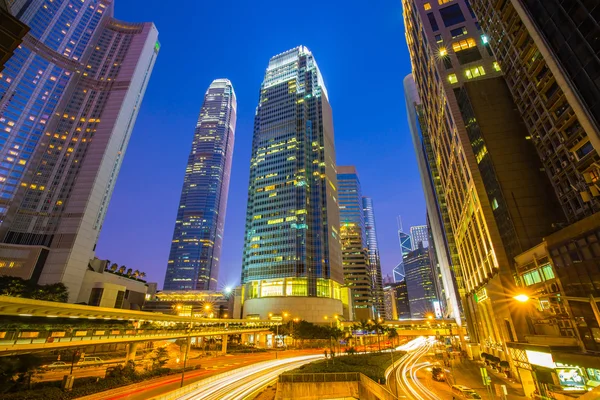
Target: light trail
{"points": [[407, 369], [241, 384]]}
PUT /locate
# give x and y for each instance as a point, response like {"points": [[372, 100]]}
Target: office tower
{"points": [[196, 246], [389, 302], [292, 253], [402, 302], [419, 283], [69, 99], [419, 235], [355, 255], [396, 301], [446, 256], [497, 196], [12, 32], [405, 248], [374, 259]]}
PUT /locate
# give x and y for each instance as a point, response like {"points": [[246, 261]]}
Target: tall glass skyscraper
{"points": [[292, 252], [196, 246], [355, 255], [374, 259], [420, 283], [405, 248], [69, 98]]}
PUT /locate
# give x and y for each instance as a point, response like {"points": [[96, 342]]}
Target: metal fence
{"points": [[321, 377]]}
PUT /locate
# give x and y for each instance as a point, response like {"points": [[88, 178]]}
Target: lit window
{"points": [[463, 44], [427, 6], [443, 52], [474, 72], [496, 66], [452, 78], [494, 204], [440, 2], [548, 272]]}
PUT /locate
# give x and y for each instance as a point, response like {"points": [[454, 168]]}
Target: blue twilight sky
{"points": [[362, 54]]}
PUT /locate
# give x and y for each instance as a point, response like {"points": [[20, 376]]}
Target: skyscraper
{"points": [[405, 248], [438, 220], [11, 33], [292, 253], [355, 256], [69, 98], [419, 234], [374, 259], [196, 246], [498, 199], [419, 283]]}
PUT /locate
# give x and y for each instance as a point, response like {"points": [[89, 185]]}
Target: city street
{"points": [[412, 378]]}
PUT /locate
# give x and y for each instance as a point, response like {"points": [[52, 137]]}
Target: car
{"points": [[437, 374], [463, 392], [90, 361], [56, 365]]}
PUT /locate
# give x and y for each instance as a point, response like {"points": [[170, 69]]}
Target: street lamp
{"points": [[189, 338]]}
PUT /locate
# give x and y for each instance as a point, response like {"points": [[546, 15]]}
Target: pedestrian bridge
{"points": [[416, 327], [33, 325]]}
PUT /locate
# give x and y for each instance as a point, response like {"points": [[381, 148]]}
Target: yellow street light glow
{"points": [[430, 317], [285, 314], [443, 52], [522, 298], [207, 307], [326, 317]]}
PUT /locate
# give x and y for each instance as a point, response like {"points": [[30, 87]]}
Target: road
{"points": [[412, 377], [247, 382], [210, 367]]}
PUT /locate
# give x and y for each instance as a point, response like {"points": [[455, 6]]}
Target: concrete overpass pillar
{"points": [[131, 350], [246, 338], [261, 340], [224, 339]]}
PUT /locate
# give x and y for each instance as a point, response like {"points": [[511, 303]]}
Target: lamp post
{"points": [[206, 308]]}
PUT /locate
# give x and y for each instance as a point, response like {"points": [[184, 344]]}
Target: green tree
{"points": [[14, 370], [159, 358], [379, 330], [392, 334], [366, 328], [52, 292]]}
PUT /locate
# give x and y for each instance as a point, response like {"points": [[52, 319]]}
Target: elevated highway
{"points": [[32, 326]]}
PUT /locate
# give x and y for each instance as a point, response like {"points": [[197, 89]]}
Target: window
{"points": [[474, 72], [452, 78], [457, 32], [438, 38], [447, 62], [433, 22], [468, 56], [584, 150], [548, 272], [95, 296], [452, 15], [427, 6], [496, 66], [463, 44], [494, 204]]}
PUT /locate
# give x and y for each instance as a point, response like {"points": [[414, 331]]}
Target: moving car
{"points": [[56, 365], [437, 374], [90, 360], [463, 392]]}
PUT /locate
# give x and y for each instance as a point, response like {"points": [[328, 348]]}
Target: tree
{"points": [[136, 273], [159, 358], [393, 336], [142, 275], [19, 369], [366, 327], [122, 269], [114, 267], [379, 329], [129, 272], [13, 286], [52, 292]]}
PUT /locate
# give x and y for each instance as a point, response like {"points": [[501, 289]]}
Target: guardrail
{"points": [[320, 377]]}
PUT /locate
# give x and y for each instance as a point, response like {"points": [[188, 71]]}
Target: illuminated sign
{"points": [[541, 359], [571, 377]]}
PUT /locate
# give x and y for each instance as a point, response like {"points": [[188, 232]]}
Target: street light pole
{"points": [[189, 342]]}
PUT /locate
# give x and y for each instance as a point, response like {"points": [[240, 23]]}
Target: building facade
{"points": [[498, 199], [69, 99], [196, 246], [419, 235], [374, 259], [396, 301], [292, 252], [446, 265], [355, 254], [420, 284], [11, 33]]}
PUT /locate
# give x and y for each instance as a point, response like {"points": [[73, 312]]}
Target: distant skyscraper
{"points": [[405, 248], [69, 98], [355, 255], [292, 253], [419, 282], [419, 235], [196, 247], [375, 260]]}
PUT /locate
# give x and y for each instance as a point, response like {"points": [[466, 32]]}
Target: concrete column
{"points": [[246, 338], [131, 350], [261, 340], [224, 339]]}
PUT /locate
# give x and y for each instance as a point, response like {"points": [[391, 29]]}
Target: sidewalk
{"points": [[467, 372]]}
